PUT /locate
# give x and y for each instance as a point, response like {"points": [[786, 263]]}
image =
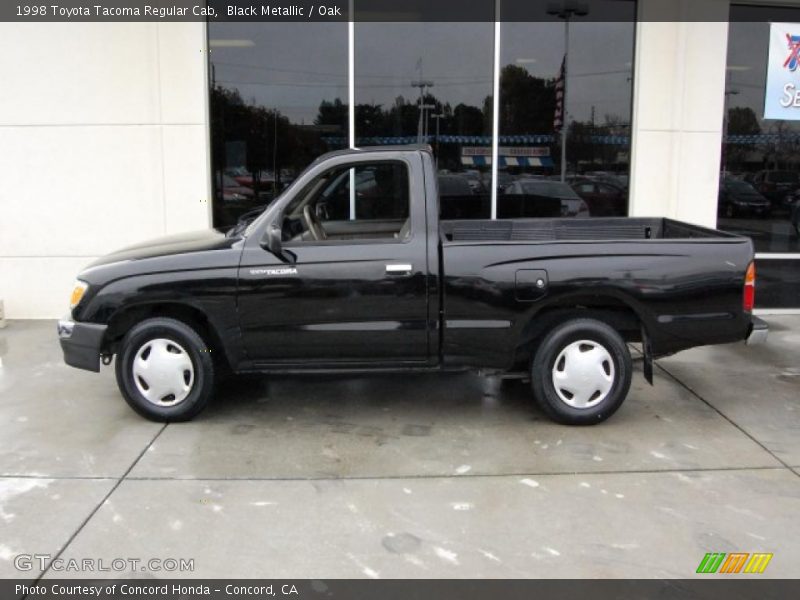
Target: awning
{"points": [[486, 140], [526, 161], [508, 161], [476, 161]]}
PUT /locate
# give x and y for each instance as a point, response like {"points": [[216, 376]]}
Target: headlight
{"points": [[77, 293]]}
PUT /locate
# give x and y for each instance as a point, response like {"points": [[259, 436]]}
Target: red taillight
{"points": [[749, 295]]}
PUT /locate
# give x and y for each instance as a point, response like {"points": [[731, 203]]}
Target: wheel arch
{"points": [[611, 310], [123, 319]]}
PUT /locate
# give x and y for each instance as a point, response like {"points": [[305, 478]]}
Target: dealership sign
{"points": [[782, 99]]}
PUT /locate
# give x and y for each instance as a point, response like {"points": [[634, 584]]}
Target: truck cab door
{"points": [[354, 291]]}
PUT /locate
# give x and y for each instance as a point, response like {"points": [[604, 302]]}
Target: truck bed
{"points": [[594, 229], [683, 282]]}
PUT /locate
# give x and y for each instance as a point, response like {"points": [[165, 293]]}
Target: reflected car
{"points": [[475, 181], [233, 191], [504, 179], [604, 199], [241, 175], [619, 180], [740, 198], [775, 185], [792, 203], [454, 185], [572, 205], [264, 184], [457, 199], [795, 218]]}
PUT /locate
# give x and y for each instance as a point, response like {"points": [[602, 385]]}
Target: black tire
{"points": [[618, 370], [180, 338]]}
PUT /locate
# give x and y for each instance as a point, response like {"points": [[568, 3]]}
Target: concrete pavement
{"points": [[425, 476]]}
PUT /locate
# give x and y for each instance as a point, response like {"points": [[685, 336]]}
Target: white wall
{"points": [[681, 55], [103, 143]]}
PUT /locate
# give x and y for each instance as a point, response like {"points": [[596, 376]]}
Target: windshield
{"points": [[255, 222]]}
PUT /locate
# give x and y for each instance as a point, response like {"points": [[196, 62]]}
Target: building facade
{"points": [[114, 133]]}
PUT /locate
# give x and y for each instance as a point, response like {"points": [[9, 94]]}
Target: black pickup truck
{"points": [[352, 270]]}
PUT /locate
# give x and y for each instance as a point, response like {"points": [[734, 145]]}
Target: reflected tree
{"points": [[741, 120]]}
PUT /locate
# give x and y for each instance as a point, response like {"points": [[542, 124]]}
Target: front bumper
{"points": [[758, 331], [81, 343]]}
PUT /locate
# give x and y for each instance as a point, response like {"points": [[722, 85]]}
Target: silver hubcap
{"points": [[163, 372], [583, 374]]}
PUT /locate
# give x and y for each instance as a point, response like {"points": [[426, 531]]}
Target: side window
{"points": [[381, 191], [585, 188], [366, 201]]}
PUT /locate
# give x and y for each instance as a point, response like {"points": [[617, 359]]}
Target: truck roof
{"points": [[366, 149]]}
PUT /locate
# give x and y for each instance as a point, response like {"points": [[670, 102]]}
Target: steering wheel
{"points": [[314, 226]]}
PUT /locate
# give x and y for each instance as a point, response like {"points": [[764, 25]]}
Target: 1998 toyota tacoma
{"points": [[351, 270]]}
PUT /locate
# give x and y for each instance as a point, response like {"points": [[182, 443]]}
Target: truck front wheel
{"points": [[581, 372], [164, 370]]}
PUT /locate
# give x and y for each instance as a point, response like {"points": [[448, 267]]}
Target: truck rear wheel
{"points": [[164, 370], [581, 372]]}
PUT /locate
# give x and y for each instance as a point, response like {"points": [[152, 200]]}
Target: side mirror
{"points": [[274, 243], [272, 239]]}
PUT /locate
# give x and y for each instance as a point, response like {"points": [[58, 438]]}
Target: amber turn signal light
{"points": [[77, 293]]}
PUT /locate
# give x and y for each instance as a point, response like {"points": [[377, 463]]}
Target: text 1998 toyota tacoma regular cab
{"points": [[351, 270]]}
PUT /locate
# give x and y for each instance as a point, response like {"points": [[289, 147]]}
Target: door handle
{"points": [[403, 269]]}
